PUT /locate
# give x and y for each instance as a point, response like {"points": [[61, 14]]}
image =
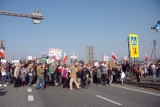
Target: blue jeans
{"points": [[60, 80], [8, 75], [110, 79], [3, 79], [41, 82], [30, 80], [154, 74]]}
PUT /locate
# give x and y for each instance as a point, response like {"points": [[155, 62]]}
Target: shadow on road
{"points": [[2, 92]]}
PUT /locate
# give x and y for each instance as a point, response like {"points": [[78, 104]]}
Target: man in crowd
{"points": [[40, 75], [73, 77]]}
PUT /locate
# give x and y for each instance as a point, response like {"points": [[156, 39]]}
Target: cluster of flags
{"points": [[106, 58], [65, 57]]}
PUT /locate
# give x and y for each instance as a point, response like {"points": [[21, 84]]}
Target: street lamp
{"points": [[35, 16], [156, 27]]}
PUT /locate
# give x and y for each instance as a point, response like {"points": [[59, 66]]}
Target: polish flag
{"points": [[146, 57], [65, 58], [114, 56], [2, 55]]}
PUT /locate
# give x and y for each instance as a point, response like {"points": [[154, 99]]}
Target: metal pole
{"points": [[35, 16], [20, 15], [129, 54], [154, 50]]}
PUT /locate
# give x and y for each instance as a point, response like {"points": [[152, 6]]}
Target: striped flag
{"points": [[114, 56], [65, 58], [2, 55], [146, 57]]}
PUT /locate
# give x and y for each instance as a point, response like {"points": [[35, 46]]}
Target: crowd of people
{"points": [[73, 75]]}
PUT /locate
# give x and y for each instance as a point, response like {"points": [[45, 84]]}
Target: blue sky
{"points": [[71, 25]]}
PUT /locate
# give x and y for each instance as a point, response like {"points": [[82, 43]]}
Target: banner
{"points": [[16, 61], [57, 53], [49, 61], [44, 54], [29, 58], [41, 60], [96, 64], [3, 60]]}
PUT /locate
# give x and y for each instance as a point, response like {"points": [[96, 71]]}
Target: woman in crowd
{"points": [[31, 75], [65, 76]]}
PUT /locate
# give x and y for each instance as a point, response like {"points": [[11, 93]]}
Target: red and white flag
{"points": [[146, 57], [114, 56], [2, 55], [65, 58]]}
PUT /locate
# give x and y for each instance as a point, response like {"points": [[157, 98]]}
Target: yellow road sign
{"points": [[134, 47]]}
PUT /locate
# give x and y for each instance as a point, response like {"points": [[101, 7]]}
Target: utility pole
{"points": [[128, 49], [2, 44], [90, 54], [154, 51], [154, 41], [129, 57]]}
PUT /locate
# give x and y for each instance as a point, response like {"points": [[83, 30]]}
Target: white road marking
{"points": [[137, 90], [30, 98], [5, 85], [108, 100], [29, 89], [0, 85]]}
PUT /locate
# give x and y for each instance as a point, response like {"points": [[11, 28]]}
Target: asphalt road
{"points": [[94, 96]]}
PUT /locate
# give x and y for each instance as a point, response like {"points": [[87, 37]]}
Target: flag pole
{"points": [[129, 56]]}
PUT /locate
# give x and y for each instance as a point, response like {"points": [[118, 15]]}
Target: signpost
{"points": [[134, 46]]}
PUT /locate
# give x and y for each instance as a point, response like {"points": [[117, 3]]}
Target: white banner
{"points": [[57, 53], [15, 61], [96, 64], [29, 58], [3, 60], [49, 61]]}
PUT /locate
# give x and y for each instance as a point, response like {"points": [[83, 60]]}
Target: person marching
{"points": [[73, 77], [40, 74]]}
